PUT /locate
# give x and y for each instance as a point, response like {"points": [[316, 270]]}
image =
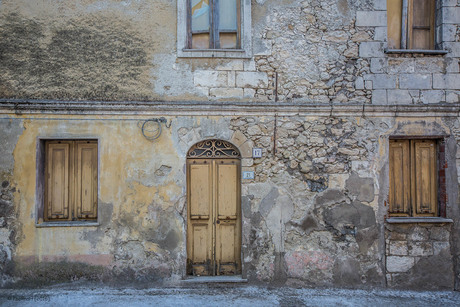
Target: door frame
{"points": [[214, 150]]}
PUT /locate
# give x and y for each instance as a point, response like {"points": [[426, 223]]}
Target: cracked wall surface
{"points": [[312, 216], [315, 213]]}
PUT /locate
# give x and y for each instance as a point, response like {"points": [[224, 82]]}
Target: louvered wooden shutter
{"points": [[86, 179], [57, 185], [399, 178], [424, 183], [421, 24]]}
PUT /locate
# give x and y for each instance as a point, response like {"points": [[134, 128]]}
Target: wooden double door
{"points": [[214, 217]]}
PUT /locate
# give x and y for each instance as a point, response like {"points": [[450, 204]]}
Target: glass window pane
{"points": [[200, 15], [227, 14]]}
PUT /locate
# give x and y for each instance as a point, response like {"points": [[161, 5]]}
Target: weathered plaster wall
{"points": [[321, 52], [313, 215], [11, 130]]}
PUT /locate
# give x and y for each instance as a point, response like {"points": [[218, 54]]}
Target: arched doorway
{"points": [[214, 209]]}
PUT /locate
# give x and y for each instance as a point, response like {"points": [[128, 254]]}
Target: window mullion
{"points": [[214, 24], [405, 28], [189, 23]]}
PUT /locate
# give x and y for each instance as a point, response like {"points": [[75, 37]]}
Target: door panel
{"points": [[214, 222], [200, 189]]}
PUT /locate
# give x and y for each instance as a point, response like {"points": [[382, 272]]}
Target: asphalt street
{"points": [[221, 295]]}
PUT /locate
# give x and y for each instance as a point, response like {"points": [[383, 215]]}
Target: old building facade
{"points": [[300, 143]]}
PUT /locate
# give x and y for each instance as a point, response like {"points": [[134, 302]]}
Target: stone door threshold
{"points": [[215, 279]]}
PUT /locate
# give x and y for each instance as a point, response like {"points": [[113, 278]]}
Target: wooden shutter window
{"points": [[399, 178], [421, 24], [424, 183], [70, 180], [86, 179], [57, 185], [413, 178]]}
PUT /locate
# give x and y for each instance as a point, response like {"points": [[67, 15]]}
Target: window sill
{"points": [[413, 220], [67, 224], [214, 53], [411, 51]]}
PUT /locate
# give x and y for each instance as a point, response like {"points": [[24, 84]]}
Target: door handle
{"points": [[218, 222]]}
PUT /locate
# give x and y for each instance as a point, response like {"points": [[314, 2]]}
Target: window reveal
{"points": [[214, 24]]}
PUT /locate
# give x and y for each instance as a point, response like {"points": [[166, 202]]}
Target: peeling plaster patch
{"points": [[10, 132], [351, 215], [361, 188], [268, 202], [164, 170]]}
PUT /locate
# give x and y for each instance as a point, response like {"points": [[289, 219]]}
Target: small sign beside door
{"points": [[257, 152], [248, 175]]}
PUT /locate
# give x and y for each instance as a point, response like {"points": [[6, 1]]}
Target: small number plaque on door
{"points": [[248, 175]]}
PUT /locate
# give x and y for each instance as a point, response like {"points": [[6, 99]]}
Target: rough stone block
{"points": [[398, 248], [371, 49], [420, 248], [249, 65], [449, 32], [249, 93], [453, 65], [380, 5], [401, 65], [371, 18], [430, 65], [380, 34], [415, 81], [231, 81], [439, 234], [226, 92], [379, 97], [397, 264], [453, 48], [419, 234], [441, 247], [252, 79], [452, 96], [399, 97], [432, 96], [368, 85], [359, 83], [451, 15], [448, 81], [209, 78], [231, 65], [378, 65]]}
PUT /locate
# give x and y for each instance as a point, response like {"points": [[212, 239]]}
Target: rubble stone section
{"points": [[418, 256]]}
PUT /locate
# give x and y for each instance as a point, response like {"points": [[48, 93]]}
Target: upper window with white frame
{"points": [[214, 28], [411, 24]]}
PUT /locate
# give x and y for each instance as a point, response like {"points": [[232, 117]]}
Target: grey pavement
{"points": [[221, 295]]}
